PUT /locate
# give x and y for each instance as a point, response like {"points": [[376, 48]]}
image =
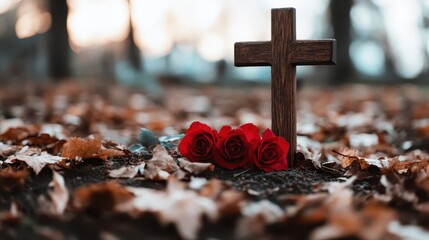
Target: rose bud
{"points": [[199, 142], [270, 153], [232, 148]]}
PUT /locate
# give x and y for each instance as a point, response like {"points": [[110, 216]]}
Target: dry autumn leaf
{"points": [[173, 206], [194, 167], [101, 197], [15, 134], [79, 148], [161, 165], [34, 158], [127, 171], [59, 193], [76, 148], [6, 149], [11, 179]]}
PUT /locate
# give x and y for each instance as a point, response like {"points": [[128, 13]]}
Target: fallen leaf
{"points": [[183, 208], [106, 153], [256, 216], [79, 148], [227, 199], [162, 159], [11, 179], [59, 194], [127, 171], [161, 165], [101, 197], [34, 158], [195, 167], [6, 149], [40, 140], [347, 156], [344, 219], [15, 134]]}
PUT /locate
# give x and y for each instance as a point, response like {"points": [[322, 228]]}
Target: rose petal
{"points": [[198, 126], [224, 131], [251, 132], [268, 134]]}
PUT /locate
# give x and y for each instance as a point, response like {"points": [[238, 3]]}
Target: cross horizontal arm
{"points": [[313, 52], [252, 54]]}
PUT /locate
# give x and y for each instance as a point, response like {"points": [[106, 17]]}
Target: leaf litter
{"points": [[363, 169]]}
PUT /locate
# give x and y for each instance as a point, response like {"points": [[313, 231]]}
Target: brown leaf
{"points": [[41, 140], [184, 208], [195, 167], [227, 199], [11, 179], [106, 153], [79, 148], [6, 150], [347, 156], [413, 165], [161, 165], [162, 159], [344, 219], [15, 134], [34, 158], [154, 172], [76, 148], [212, 189], [101, 197]]}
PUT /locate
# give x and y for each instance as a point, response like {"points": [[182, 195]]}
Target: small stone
{"points": [[137, 148], [147, 138]]}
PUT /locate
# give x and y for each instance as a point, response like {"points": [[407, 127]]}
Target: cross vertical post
{"points": [[283, 88], [283, 53]]}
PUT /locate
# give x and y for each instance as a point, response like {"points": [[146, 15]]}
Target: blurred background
{"points": [[142, 42]]}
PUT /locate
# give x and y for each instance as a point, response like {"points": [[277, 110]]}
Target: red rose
{"points": [[199, 142], [232, 148], [270, 153]]}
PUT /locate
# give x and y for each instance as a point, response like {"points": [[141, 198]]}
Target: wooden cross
{"points": [[283, 53]]}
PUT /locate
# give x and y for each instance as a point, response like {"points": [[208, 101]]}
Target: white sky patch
{"points": [[97, 22], [368, 57], [31, 20], [402, 23], [6, 5]]}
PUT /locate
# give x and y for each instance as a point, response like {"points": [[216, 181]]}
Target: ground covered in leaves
{"points": [[72, 165]]}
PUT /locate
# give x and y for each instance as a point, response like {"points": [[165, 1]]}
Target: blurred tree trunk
{"points": [[133, 50], [340, 18], [58, 41]]}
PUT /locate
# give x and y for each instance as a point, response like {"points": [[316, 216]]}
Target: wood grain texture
{"points": [[252, 54], [283, 75], [313, 52], [284, 53]]}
